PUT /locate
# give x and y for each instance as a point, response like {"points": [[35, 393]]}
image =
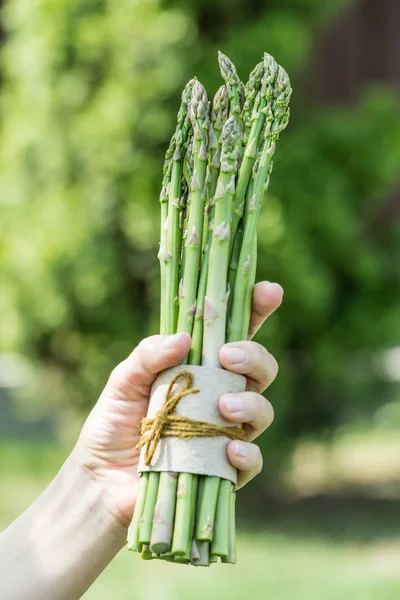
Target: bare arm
{"points": [[61, 543]]}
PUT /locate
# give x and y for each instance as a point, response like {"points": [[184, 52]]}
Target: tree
{"points": [[90, 92]]}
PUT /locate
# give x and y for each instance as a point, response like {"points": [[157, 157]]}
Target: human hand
{"points": [[106, 448]]}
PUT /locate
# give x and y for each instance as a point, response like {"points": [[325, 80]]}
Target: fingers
{"points": [[251, 409], [246, 458], [153, 354], [256, 414], [267, 297], [253, 361]]}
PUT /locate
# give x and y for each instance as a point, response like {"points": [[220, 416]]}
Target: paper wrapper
{"points": [[201, 456]]}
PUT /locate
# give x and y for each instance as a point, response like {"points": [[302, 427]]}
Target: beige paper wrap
{"points": [[201, 456]]}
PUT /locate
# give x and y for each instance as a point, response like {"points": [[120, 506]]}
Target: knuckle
{"points": [[258, 414], [259, 461], [269, 412], [260, 350], [148, 344], [117, 373], [265, 413], [256, 354], [274, 365]]}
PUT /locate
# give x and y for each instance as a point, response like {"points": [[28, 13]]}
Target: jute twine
{"points": [[165, 424]]}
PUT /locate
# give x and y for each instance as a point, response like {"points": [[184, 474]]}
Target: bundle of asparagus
{"points": [[217, 169]]}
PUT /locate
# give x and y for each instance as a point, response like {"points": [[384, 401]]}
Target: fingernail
{"points": [[234, 355], [233, 403], [239, 449], [170, 341]]}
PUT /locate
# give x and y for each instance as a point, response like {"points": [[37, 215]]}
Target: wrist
{"points": [[60, 545], [90, 499]]}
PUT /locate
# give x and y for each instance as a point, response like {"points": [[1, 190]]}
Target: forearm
{"points": [[61, 543]]}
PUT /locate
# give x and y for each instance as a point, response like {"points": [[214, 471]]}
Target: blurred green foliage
{"points": [[89, 95]]}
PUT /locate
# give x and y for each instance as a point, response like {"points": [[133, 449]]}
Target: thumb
{"points": [[134, 376]]}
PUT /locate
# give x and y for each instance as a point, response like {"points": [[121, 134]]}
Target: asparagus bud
{"points": [[251, 90], [173, 232], [258, 118], [233, 85]]}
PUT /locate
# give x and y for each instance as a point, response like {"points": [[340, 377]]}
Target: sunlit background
{"points": [[89, 94]]}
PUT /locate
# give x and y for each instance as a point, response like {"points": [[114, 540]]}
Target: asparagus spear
{"points": [[219, 116], [220, 542], [233, 85], [215, 312], [164, 225], [260, 109], [191, 543], [173, 238], [203, 549], [171, 241], [205, 517], [146, 521], [181, 543], [164, 511], [277, 120], [251, 90], [216, 296], [231, 556], [188, 287], [133, 533]]}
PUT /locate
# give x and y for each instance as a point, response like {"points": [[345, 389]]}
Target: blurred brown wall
{"points": [[360, 46]]}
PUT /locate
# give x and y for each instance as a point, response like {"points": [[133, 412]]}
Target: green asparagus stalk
{"points": [[234, 87], [251, 90], [164, 226], [164, 512], [189, 283], [146, 553], [204, 555], [249, 292], [219, 116], [173, 235], [133, 534], [215, 311], [206, 514], [181, 542], [183, 225], [188, 286], [260, 110], [172, 259], [231, 557], [216, 296], [190, 541], [277, 120], [220, 542], [194, 554], [178, 558], [146, 522]]}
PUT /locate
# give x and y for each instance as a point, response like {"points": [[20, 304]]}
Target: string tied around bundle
{"points": [[165, 424]]}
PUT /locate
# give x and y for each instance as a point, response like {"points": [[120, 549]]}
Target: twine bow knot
{"points": [[164, 424]]}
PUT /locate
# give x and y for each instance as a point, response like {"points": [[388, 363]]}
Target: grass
{"points": [[283, 559], [277, 567]]}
